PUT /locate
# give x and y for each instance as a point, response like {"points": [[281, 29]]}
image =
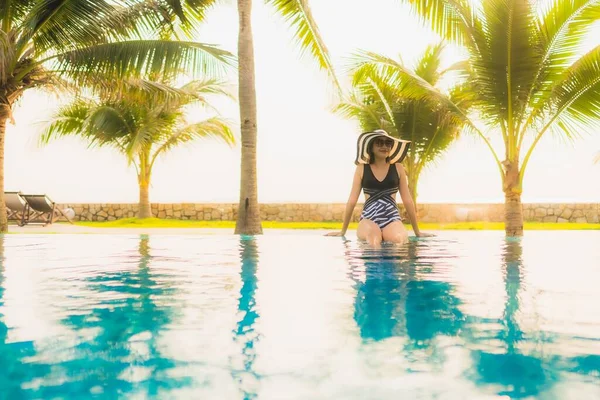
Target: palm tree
{"points": [[526, 68], [297, 13], [380, 103], [60, 43], [138, 125]]}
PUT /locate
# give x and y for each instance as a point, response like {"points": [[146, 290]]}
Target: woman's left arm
{"points": [[407, 200]]}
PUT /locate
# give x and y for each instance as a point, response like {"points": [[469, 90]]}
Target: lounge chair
{"points": [[43, 210], [17, 207]]}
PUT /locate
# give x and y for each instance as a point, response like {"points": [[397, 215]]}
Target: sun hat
{"points": [[397, 154]]}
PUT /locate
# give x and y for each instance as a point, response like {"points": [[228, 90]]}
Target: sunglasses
{"points": [[383, 142]]}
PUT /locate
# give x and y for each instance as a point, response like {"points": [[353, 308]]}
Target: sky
{"points": [[305, 151]]}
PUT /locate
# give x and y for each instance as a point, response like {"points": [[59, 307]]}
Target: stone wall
{"points": [[444, 213]]}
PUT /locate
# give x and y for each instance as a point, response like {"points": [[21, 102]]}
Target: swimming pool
{"points": [[295, 315]]}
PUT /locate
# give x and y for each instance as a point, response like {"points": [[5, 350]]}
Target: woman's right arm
{"points": [[352, 200]]}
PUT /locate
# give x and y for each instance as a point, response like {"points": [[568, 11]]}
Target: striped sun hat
{"points": [[397, 154]]}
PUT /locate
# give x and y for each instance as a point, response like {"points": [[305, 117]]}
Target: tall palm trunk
{"points": [[3, 216], [513, 209], [248, 220]]}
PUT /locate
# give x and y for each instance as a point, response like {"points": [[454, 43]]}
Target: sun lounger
{"points": [[17, 207], [43, 210]]}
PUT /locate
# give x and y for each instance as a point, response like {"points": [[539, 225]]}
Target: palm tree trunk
{"points": [[513, 209], [513, 214], [3, 216], [412, 185], [144, 205], [248, 220], [412, 174]]}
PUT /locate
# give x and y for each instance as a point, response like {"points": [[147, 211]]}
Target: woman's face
{"points": [[382, 146]]}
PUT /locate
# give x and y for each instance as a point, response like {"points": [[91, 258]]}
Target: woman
{"points": [[380, 174]]}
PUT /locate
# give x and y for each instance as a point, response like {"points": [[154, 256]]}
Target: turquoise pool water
{"points": [[295, 315]]}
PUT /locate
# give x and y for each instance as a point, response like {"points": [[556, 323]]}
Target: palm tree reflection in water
{"points": [[400, 295], [117, 351], [15, 371], [245, 334], [518, 374], [397, 298]]}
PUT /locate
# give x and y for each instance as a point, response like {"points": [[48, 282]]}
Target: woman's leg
{"points": [[369, 231], [395, 232]]}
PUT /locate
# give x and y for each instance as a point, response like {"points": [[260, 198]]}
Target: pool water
{"points": [[295, 315]]}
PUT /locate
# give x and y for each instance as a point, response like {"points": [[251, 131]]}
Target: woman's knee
{"points": [[373, 237], [375, 240], [395, 232], [369, 231], [400, 238]]}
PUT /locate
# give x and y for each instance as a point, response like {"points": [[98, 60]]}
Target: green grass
{"points": [[173, 223]]}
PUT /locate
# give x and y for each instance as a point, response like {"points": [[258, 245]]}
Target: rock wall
{"points": [[444, 213]]}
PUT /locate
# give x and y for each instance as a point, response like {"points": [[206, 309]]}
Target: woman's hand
{"points": [[335, 234], [424, 234]]}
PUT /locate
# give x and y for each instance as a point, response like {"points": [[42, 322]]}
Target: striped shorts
{"points": [[381, 208]]}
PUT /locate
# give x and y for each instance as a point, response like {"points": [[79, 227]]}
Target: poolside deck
{"points": [[77, 229], [60, 228]]}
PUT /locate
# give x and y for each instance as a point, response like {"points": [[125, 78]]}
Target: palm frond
{"points": [[563, 27], [428, 66], [370, 114], [576, 97], [462, 67], [436, 143], [106, 124], [13, 12], [381, 94], [151, 123], [203, 87], [177, 8], [143, 138], [396, 75], [197, 91], [190, 11], [298, 15], [98, 124], [215, 128], [454, 20], [62, 24], [150, 92], [136, 19], [143, 58], [132, 89], [69, 120], [575, 102], [506, 74]]}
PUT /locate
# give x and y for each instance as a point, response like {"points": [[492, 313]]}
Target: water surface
{"points": [[463, 315]]}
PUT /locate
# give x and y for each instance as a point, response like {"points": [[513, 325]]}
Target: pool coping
{"points": [[78, 229]]}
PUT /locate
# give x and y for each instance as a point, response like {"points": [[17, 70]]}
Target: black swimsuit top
{"points": [[371, 185]]}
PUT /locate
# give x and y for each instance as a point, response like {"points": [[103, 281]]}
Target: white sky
{"points": [[305, 152]]}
